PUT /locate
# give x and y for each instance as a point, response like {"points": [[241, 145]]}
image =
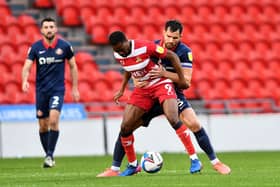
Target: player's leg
{"points": [[189, 117], [119, 152], [132, 114], [54, 131], [42, 112], [55, 106], [184, 134], [44, 133]]}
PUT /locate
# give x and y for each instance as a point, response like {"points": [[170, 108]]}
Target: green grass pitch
{"points": [[249, 169]]}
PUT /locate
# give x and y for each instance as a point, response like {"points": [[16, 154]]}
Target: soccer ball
{"points": [[151, 162]]}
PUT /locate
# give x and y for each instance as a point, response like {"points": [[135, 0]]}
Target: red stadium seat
{"points": [[191, 93], [212, 50], [237, 13], [62, 4], [25, 98], [150, 32], [238, 89], [253, 13], [216, 107], [245, 48], [217, 31], [271, 13], [71, 16], [133, 31], [95, 108], [228, 50], [240, 71], [83, 58], [112, 76], [13, 26], [4, 8], [233, 32], [99, 35], [172, 11], [86, 12], [220, 11], [43, 4]]}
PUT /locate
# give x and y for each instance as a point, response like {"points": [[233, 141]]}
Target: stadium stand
{"points": [[236, 59]]}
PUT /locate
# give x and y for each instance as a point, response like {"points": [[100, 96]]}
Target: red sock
{"points": [[127, 143], [185, 138]]}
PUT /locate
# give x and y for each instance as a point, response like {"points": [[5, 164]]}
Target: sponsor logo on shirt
{"points": [[58, 51], [159, 49]]}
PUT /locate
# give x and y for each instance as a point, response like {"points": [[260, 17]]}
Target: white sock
{"points": [[193, 156], [115, 168], [215, 161], [134, 163]]}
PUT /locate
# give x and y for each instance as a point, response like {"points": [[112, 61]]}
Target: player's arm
{"points": [[25, 74], [126, 77], [74, 76], [180, 79], [161, 72]]}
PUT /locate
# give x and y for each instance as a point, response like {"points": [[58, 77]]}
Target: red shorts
{"points": [[145, 98]]}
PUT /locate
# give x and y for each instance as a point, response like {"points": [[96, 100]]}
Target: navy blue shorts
{"points": [[48, 101], [157, 110]]}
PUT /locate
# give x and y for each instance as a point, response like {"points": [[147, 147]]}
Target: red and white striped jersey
{"points": [[139, 62]]}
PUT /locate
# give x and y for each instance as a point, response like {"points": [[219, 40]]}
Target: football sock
{"points": [[215, 161], [114, 168], [193, 157], [184, 135], [44, 136], [127, 143], [53, 136], [204, 143], [118, 153]]}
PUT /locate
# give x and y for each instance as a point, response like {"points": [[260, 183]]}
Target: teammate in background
{"points": [[136, 58], [50, 54], [172, 40]]}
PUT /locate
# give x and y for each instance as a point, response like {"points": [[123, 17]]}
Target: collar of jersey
{"points": [[46, 45]]}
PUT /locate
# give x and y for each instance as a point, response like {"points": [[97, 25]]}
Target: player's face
{"points": [[48, 30], [171, 39], [123, 49]]}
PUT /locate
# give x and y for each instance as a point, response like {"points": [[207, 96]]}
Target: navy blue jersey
{"points": [[50, 64], [185, 55]]}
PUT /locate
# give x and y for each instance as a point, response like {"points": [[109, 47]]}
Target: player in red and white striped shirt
{"points": [[136, 58]]}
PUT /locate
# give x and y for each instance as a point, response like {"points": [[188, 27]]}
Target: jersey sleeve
{"points": [[31, 53], [156, 50], [186, 58], [69, 51]]}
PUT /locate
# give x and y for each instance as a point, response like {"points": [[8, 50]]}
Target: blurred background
{"points": [[235, 44]]}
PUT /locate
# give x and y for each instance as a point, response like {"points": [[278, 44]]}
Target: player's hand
{"points": [[117, 96], [75, 94], [157, 72], [140, 84], [25, 86]]}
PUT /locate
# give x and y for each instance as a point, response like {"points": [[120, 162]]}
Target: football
{"points": [[151, 162]]}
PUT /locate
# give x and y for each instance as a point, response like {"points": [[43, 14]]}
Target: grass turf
{"points": [[248, 169]]}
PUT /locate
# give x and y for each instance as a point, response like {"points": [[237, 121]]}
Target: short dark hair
{"points": [[174, 25], [47, 19], [117, 37]]}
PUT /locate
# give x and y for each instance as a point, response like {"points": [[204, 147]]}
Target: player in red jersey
{"points": [[135, 57]]}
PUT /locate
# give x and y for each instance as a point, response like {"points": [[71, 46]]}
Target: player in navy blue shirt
{"points": [[172, 40], [50, 54]]}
